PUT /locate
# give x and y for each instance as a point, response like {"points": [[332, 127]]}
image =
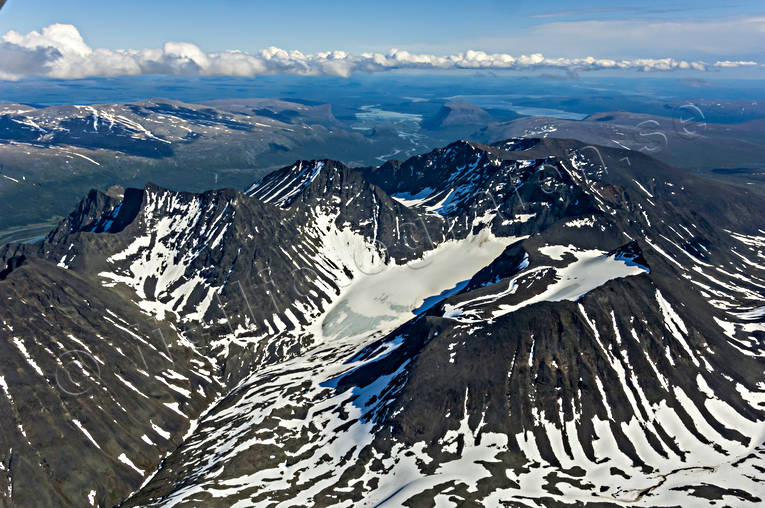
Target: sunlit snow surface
{"points": [[381, 301], [585, 271], [310, 450], [320, 440], [287, 434], [155, 255], [378, 299]]}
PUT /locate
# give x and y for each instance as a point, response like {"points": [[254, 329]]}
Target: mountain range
{"points": [[50, 156], [532, 322]]}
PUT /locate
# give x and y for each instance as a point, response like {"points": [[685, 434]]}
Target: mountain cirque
{"points": [[530, 323]]}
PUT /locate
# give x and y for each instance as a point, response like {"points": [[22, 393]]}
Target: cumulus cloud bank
{"points": [[59, 51]]}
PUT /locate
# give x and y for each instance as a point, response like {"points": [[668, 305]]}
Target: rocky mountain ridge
{"points": [[535, 321]]}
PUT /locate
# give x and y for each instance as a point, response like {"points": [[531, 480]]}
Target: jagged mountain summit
{"points": [[534, 322]]}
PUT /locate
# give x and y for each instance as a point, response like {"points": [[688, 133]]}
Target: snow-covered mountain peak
{"points": [[520, 323]]}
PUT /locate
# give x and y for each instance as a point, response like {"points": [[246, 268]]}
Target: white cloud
{"points": [[738, 63], [59, 51], [65, 38]]}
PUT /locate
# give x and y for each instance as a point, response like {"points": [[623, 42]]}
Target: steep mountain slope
{"points": [[192, 268], [94, 394], [576, 366], [535, 322]]}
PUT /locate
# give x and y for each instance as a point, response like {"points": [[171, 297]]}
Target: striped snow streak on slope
{"points": [[687, 449], [320, 442], [281, 187], [96, 388], [176, 232], [338, 425], [327, 260], [306, 456], [338, 455]]}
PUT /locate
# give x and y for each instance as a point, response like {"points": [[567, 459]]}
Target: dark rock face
{"points": [[534, 321], [88, 380], [12, 264]]}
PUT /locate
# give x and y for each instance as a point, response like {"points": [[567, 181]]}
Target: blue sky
{"points": [[57, 38], [556, 27]]}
